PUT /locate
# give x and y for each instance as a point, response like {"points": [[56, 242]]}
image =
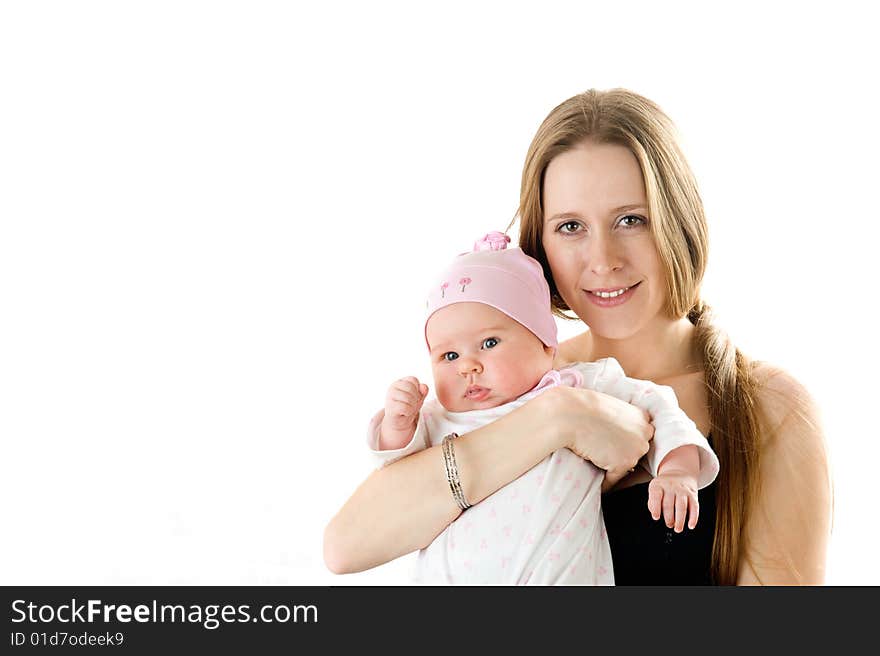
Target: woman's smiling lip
{"points": [[476, 393], [611, 296]]}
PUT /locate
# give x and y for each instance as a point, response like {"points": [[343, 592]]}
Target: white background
{"points": [[219, 220]]}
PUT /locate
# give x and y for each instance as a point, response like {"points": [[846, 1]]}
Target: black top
{"points": [[645, 552]]}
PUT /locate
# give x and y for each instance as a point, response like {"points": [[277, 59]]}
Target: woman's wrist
{"points": [[546, 409], [493, 455]]}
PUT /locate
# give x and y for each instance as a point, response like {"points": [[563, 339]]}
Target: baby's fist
{"points": [[402, 404]]}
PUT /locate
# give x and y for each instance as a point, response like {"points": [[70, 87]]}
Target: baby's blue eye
{"points": [[449, 357], [490, 342]]}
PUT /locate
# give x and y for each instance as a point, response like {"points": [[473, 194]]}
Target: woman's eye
{"points": [[632, 221], [449, 357], [569, 227], [490, 342]]}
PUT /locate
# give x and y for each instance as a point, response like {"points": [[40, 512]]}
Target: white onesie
{"points": [[546, 526]]}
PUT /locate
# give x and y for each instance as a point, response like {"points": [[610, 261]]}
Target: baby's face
{"points": [[481, 358]]}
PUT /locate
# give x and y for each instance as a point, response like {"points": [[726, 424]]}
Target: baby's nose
{"points": [[469, 366]]}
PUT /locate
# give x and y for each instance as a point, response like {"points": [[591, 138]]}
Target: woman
{"points": [[610, 208]]}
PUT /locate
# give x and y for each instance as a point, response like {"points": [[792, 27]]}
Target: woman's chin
{"points": [[614, 329]]}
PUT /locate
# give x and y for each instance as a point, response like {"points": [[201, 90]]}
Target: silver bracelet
{"points": [[452, 472]]}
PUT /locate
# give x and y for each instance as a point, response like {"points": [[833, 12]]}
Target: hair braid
{"points": [[731, 391]]}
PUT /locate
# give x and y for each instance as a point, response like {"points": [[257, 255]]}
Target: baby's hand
{"points": [[676, 494], [402, 404]]}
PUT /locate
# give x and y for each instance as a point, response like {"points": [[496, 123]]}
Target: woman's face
{"points": [[598, 240]]}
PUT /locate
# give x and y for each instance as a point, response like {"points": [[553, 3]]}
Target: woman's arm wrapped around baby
{"points": [[402, 507]]}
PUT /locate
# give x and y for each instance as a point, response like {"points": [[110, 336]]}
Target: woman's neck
{"points": [[660, 351]]}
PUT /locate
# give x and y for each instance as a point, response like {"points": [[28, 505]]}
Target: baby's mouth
{"points": [[476, 392]]}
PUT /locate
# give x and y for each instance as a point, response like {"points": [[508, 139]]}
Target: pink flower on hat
{"points": [[492, 241], [464, 282], [443, 288]]}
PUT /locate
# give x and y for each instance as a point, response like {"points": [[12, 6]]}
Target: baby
{"points": [[492, 340]]}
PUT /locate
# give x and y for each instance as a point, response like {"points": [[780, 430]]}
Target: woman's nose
{"points": [[602, 256]]}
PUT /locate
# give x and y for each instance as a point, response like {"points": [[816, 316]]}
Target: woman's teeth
{"points": [[610, 294]]}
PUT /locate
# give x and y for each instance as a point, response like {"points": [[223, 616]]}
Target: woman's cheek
{"points": [[563, 267]]}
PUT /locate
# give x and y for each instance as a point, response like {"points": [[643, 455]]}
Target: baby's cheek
{"points": [[516, 381], [444, 394]]}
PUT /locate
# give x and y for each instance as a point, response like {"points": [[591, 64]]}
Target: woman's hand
{"points": [[610, 433]]}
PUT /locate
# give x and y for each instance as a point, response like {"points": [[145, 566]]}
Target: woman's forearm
{"points": [[404, 506]]}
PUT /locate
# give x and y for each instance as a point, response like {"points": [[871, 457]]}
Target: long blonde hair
{"points": [[678, 224]]}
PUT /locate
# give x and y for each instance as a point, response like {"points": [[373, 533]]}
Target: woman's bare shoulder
{"points": [[782, 399], [790, 524], [791, 428]]}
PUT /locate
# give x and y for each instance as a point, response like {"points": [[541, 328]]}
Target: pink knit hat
{"points": [[505, 278]]}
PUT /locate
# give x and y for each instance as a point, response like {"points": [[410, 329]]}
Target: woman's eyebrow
{"points": [[576, 215], [564, 215]]}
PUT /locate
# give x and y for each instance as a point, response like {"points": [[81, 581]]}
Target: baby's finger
{"points": [[404, 398], [423, 390], [669, 509], [695, 512], [681, 508], [408, 384], [655, 498]]}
